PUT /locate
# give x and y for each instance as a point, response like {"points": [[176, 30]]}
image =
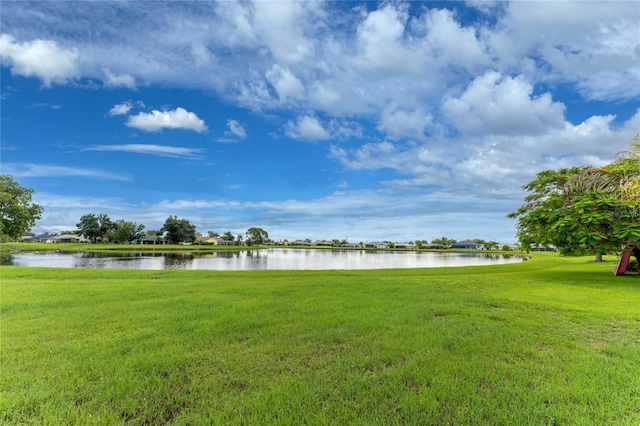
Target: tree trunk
{"points": [[636, 252], [598, 257]]}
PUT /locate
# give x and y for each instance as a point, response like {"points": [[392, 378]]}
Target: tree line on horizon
{"points": [[580, 210], [18, 215], [100, 228]]}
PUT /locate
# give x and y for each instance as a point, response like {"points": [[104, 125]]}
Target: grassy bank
{"points": [[550, 341]]}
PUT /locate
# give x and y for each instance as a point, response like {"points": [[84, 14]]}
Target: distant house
{"points": [[434, 246], [349, 245], [42, 238], [322, 243], [209, 240], [300, 243], [153, 239], [467, 245], [376, 244], [68, 238], [405, 245]]}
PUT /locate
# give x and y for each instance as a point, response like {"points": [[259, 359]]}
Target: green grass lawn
{"points": [[553, 341]]}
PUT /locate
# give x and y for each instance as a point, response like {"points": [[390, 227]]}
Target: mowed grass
{"points": [[551, 341]]}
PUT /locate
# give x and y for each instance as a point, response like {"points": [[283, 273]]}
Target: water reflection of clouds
{"points": [[268, 259], [48, 260]]}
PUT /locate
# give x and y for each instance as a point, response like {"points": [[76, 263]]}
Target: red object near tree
{"points": [[621, 267]]}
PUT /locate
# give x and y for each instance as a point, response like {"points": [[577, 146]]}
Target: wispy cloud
{"points": [[44, 105], [236, 132], [122, 80], [30, 170], [125, 107], [150, 149], [236, 129], [121, 109]]}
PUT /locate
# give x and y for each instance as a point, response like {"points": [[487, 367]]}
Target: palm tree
{"points": [[621, 178]]}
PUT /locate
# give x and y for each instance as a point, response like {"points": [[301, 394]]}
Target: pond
{"points": [[265, 259]]}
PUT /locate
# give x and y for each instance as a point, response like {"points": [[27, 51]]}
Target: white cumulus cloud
{"points": [[307, 128], [381, 40], [287, 86], [43, 59], [282, 26], [593, 45], [398, 123], [496, 104], [178, 118]]}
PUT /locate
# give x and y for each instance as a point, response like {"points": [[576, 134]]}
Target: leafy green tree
{"points": [[213, 234], [105, 223], [444, 241], [89, 227], [126, 231], [583, 209], [488, 245], [256, 236], [18, 213], [179, 230], [619, 180], [228, 236], [95, 227]]}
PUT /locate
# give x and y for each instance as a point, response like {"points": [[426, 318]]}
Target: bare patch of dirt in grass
{"points": [[414, 387], [596, 344]]}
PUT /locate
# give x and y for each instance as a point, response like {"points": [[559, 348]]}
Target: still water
{"points": [[266, 259]]}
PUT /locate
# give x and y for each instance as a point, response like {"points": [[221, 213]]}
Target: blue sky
{"points": [[368, 121]]}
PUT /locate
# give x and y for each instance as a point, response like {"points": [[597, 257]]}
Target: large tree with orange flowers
{"points": [[584, 210]]}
